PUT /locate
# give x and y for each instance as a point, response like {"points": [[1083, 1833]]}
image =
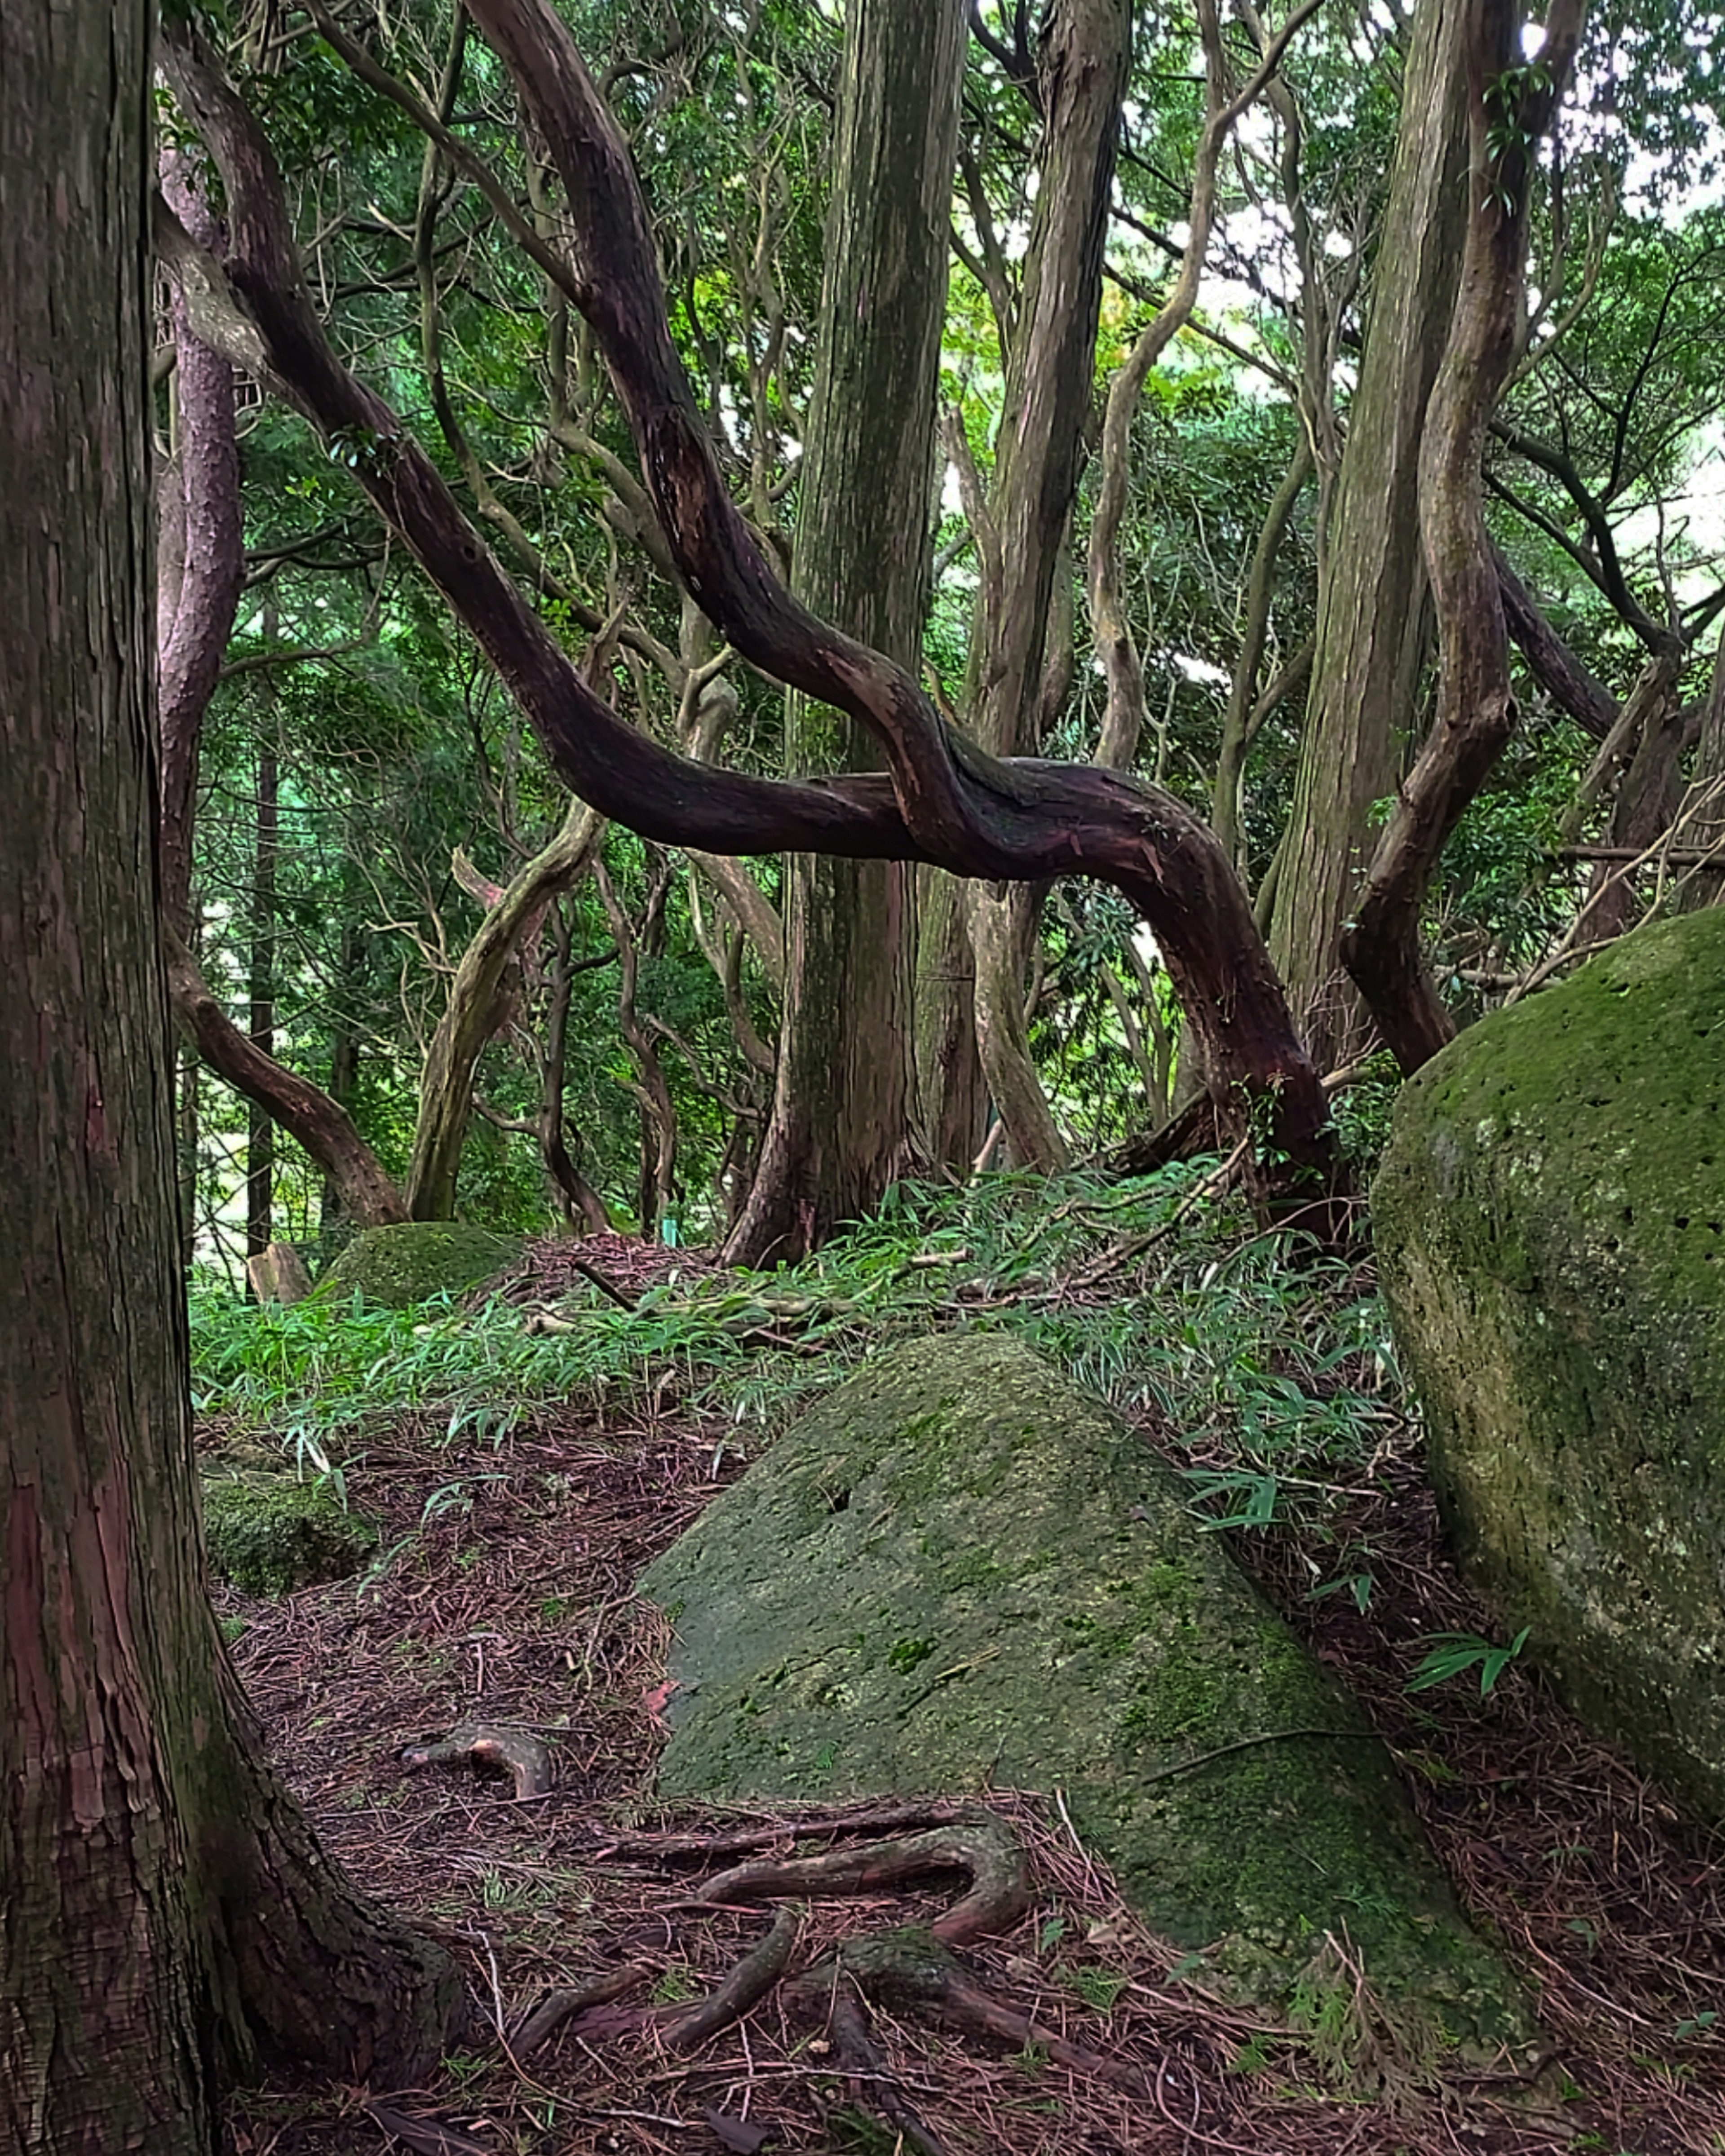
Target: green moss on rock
{"points": [[268, 1534], [1550, 1222], [411, 1262], [832, 1642]]}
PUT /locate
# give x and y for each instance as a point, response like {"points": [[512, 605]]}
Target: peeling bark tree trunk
{"points": [[1509, 107], [168, 1915], [1373, 610], [841, 1127]]}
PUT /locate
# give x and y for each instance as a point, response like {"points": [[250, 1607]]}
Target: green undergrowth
{"points": [[1269, 1365]]}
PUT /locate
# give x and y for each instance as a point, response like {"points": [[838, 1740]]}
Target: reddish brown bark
{"points": [[167, 1914], [198, 586], [199, 591], [944, 801]]}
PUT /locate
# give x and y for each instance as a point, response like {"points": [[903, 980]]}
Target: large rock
{"points": [[957, 1571], [1550, 1222], [400, 1266]]}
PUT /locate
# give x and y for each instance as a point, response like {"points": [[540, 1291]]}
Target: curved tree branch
{"points": [[944, 802]]}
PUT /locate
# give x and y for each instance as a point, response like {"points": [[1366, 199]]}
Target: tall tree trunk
{"points": [[168, 1914], [582, 1209], [1081, 79], [1373, 626], [344, 1061], [203, 566], [1509, 106], [840, 1127], [200, 573], [260, 1128]]}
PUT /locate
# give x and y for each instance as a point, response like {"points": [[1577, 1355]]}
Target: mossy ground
{"points": [[268, 1533]]}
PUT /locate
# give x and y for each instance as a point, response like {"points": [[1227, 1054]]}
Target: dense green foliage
{"points": [[1270, 1367], [403, 778]]}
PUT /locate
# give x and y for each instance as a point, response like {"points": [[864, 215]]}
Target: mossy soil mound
{"points": [[268, 1533], [1550, 1223], [958, 1571], [398, 1267]]}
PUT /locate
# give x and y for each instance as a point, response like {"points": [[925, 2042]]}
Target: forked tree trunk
{"points": [[472, 1013], [843, 1096], [168, 1913], [1373, 628], [1509, 107]]}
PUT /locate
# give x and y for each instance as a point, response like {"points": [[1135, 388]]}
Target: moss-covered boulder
{"points": [[1550, 1223], [268, 1533], [416, 1260], [957, 1571]]}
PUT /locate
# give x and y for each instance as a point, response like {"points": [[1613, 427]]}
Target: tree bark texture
{"points": [[1372, 614], [844, 1087], [199, 578], [970, 1025], [166, 1912], [1509, 107], [472, 1013], [943, 800], [198, 584]]}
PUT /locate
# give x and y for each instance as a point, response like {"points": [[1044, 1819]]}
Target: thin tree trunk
{"points": [[471, 1015], [260, 1128], [344, 1065], [1373, 610], [1082, 75], [656, 1187], [840, 1127], [577, 1198], [1475, 713], [167, 1913], [202, 572]]}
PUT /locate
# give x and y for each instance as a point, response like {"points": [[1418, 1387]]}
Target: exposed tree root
{"points": [[976, 1842], [556, 2007], [490, 1744], [913, 1968]]}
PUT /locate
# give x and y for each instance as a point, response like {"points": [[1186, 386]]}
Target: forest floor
{"points": [[508, 1597]]}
